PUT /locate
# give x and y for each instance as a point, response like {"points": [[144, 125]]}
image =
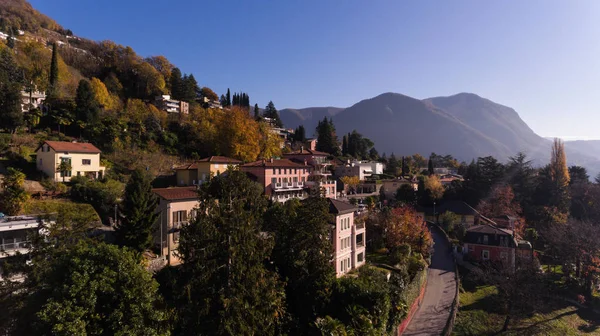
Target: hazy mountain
{"points": [[405, 125], [309, 117]]}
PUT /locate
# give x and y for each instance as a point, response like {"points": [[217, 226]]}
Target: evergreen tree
{"points": [[271, 113], [430, 169], [53, 76], [327, 140], [177, 85], [223, 101], [10, 41], [345, 145], [190, 88], [11, 81], [392, 165], [137, 213], [404, 167], [227, 290], [228, 96], [256, 112], [303, 254], [373, 154], [300, 134], [87, 109]]}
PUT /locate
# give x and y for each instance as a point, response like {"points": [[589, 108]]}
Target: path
{"points": [[432, 316]]}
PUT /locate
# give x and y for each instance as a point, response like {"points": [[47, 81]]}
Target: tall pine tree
{"points": [[430, 168], [228, 97], [256, 112], [327, 140], [345, 145], [227, 288], [137, 213], [271, 112], [177, 85]]}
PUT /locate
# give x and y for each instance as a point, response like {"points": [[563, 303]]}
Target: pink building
{"points": [[282, 179], [320, 174], [176, 207], [348, 238]]}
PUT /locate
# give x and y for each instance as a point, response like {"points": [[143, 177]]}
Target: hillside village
{"points": [[120, 169]]}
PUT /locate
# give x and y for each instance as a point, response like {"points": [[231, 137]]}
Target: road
{"points": [[431, 317]]}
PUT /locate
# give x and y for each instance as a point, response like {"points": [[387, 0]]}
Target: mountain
{"points": [[405, 125], [309, 117]]}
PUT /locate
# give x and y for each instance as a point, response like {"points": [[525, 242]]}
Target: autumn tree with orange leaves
{"points": [[402, 227]]}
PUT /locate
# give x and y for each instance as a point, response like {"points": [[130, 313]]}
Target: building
{"points": [[468, 215], [361, 169], [84, 159], [447, 179], [320, 173], [488, 242], [169, 105], [282, 179], [441, 170], [208, 103], [349, 238], [176, 208], [15, 234], [311, 143], [31, 100], [201, 170], [391, 186]]}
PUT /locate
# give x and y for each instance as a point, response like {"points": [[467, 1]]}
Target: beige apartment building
{"points": [[83, 157], [201, 170]]}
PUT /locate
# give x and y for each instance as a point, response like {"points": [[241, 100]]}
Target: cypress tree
{"points": [[53, 77], [404, 170], [228, 96], [256, 112], [137, 213], [345, 145], [177, 84], [430, 166]]}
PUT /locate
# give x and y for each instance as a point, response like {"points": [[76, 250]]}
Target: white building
{"points": [[31, 100], [169, 105], [361, 169], [15, 234]]}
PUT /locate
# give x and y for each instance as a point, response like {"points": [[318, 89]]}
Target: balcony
{"points": [[289, 185], [359, 225], [360, 244]]}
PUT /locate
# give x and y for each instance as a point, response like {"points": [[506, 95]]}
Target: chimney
{"points": [[301, 149], [271, 160]]}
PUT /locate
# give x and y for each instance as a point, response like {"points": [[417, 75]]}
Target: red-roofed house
{"points": [[175, 208], [282, 179], [489, 242], [83, 157], [201, 170], [320, 174]]}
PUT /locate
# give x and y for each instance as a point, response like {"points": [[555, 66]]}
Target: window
{"points": [[280, 171], [179, 218], [485, 239], [86, 162], [342, 265], [360, 258], [274, 171], [216, 166], [360, 240], [40, 162], [273, 181], [485, 255], [68, 172]]}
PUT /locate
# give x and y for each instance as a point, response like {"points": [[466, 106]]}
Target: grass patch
{"points": [[480, 313], [378, 258], [39, 207]]}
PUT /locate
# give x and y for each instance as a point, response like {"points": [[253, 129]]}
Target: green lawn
{"points": [[480, 314]]}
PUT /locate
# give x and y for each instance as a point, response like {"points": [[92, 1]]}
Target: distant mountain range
{"points": [[465, 125]]}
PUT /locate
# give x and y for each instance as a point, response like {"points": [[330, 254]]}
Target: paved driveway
{"points": [[431, 317]]}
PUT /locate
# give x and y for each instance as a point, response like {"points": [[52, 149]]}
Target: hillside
{"points": [[309, 117], [404, 125], [20, 14]]}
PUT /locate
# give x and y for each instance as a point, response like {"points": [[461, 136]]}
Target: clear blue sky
{"points": [[541, 57]]}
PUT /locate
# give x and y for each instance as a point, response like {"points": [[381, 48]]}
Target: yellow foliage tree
{"points": [[435, 187], [107, 100], [558, 164], [270, 143], [238, 135], [350, 181]]}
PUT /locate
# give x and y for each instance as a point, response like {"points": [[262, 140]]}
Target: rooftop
{"points": [[490, 229], [339, 207], [189, 166], [457, 207], [283, 163], [304, 151], [73, 147], [219, 159], [177, 193]]}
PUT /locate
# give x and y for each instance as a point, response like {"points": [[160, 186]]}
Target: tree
{"points": [[11, 80], [392, 165], [90, 289], [327, 140], [430, 169], [52, 91], [206, 92], [88, 108], [64, 168], [227, 290], [345, 145], [373, 154], [271, 113], [358, 146], [190, 87], [404, 167], [501, 202], [162, 65], [228, 98], [406, 194], [13, 194], [105, 99], [403, 227], [578, 174], [177, 85], [300, 134], [303, 254], [350, 181], [269, 142], [256, 112], [137, 213], [10, 40], [558, 164]]}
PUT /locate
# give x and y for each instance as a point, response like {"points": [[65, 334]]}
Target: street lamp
{"points": [[434, 217], [116, 206]]}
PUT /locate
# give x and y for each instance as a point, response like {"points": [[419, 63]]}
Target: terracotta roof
{"points": [[177, 193], [73, 147], [339, 207], [219, 159], [489, 229], [283, 163], [191, 166], [307, 152]]}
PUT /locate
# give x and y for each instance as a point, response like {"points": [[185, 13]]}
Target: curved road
{"points": [[432, 316]]}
